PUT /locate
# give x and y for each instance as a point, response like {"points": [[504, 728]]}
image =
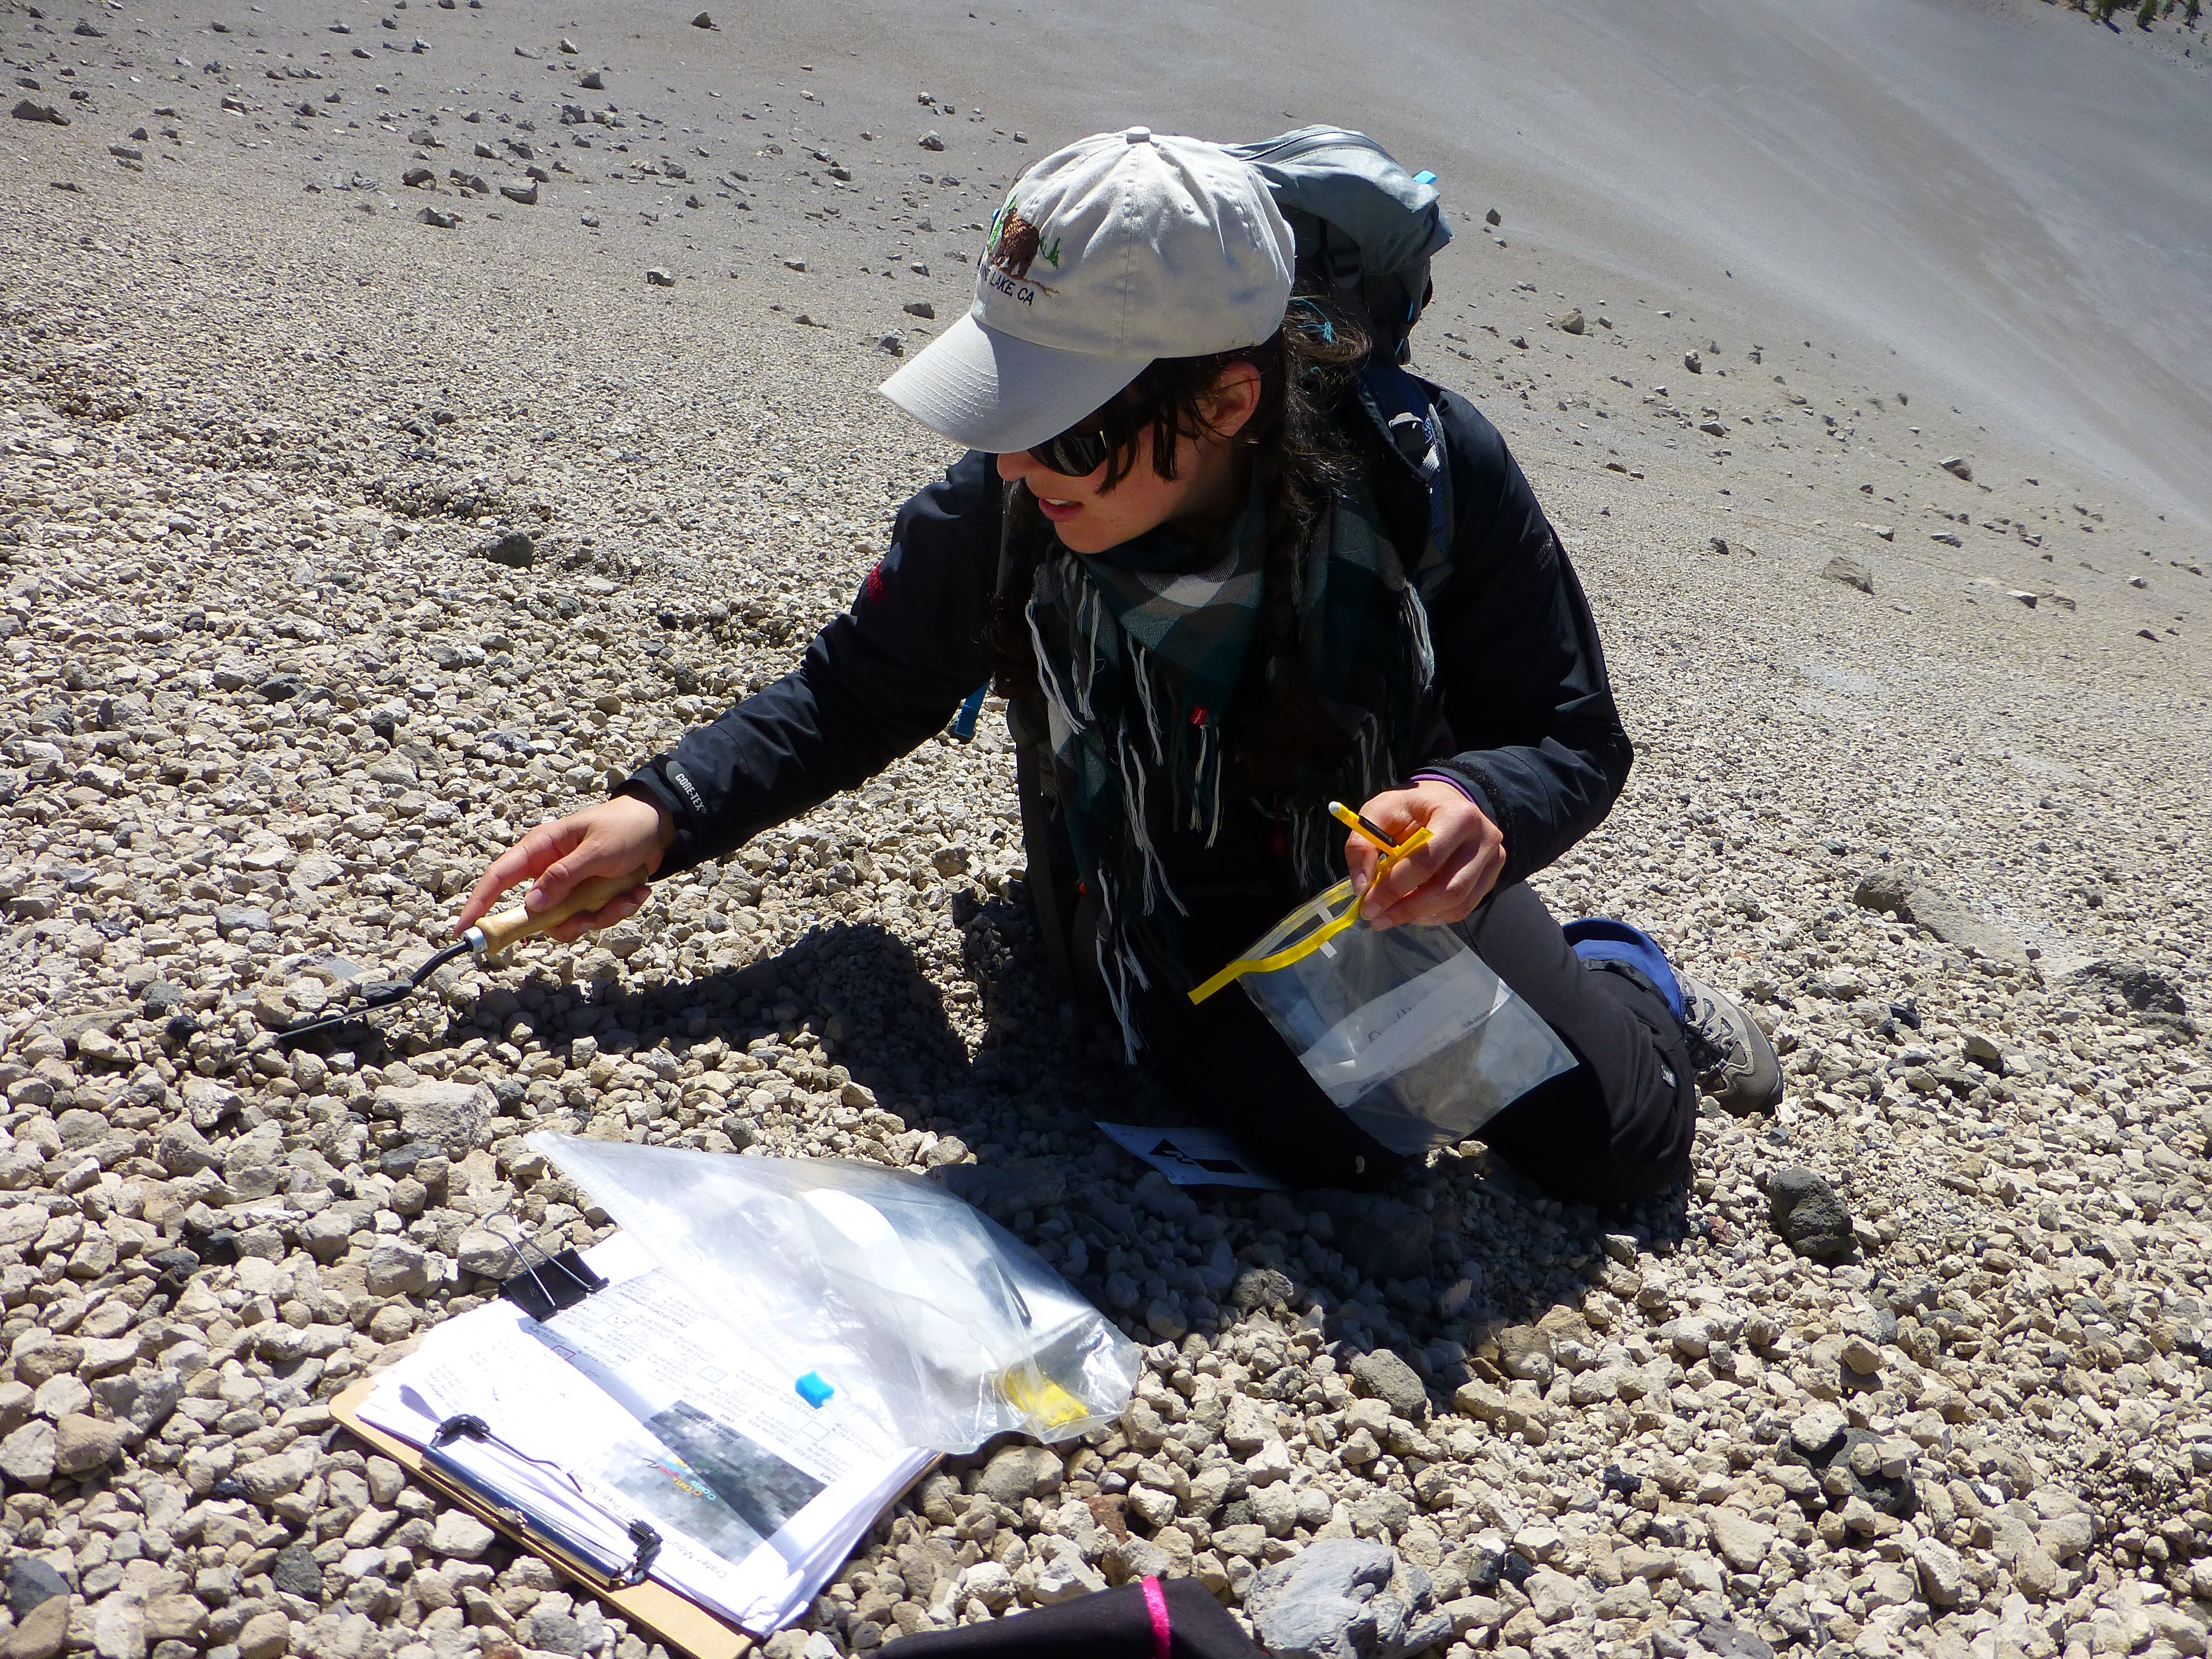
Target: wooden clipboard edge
{"points": [[680, 1623]]}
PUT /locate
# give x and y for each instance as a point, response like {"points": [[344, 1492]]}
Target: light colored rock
{"points": [[1848, 571], [184, 1151], [448, 1115], [397, 1267], [264, 1636], [1064, 1575], [83, 1443], [267, 1479], [1015, 1473], [1250, 1424], [43, 1633], [486, 1253], [461, 1535], [1344, 1598], [178, 1617], [119, 1628], [990, 1583], [1742, 1542], [1942, 1574]]}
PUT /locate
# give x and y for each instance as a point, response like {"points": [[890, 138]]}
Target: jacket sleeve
{"points": [[877, 681], [1533, 736]]}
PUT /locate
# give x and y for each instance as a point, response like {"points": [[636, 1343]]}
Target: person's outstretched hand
{"points": [[614, 838], [1438, 882]]}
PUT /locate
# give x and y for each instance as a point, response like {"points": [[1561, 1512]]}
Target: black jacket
{"points": [[1529, 724]]}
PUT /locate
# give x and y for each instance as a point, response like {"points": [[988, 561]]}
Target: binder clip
{"points": [[536, 1529], [553, 1284]]}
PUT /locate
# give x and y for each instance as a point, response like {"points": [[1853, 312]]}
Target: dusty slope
{"points": [[256, 431]]}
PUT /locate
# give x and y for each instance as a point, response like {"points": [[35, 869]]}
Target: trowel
{"points": [[493, 935]]}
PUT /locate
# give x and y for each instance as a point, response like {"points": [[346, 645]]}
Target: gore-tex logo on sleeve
{"points": [[675, 775]]}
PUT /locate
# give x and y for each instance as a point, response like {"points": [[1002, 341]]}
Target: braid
{"points": [[1280, 727]]}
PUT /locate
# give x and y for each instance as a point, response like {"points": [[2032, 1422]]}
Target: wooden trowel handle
{"points": [[505, 927]]}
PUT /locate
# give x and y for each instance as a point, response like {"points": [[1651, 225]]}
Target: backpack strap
{"points": [[1414, 479]]}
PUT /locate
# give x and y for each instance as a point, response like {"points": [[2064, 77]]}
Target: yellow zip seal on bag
{"points": [[1392, 851]]}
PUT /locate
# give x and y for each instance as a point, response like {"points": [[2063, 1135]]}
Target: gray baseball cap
{"points": [[1121, 248]]}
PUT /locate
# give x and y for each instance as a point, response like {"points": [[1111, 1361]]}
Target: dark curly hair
{"points": [[1300, 457]]}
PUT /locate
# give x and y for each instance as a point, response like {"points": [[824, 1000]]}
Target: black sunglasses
{"points": [[1078, 451]]}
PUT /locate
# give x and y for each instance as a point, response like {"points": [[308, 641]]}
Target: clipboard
{"points": [[651, 1607]]}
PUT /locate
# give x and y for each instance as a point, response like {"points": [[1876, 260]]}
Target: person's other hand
{"points": [[1441, 881], [611, 839]]}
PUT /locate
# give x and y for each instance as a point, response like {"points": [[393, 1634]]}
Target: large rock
{"points": [[264, 1636], [1809, 1213], [1942, 1574], [1742, 1542], [32, 1582], [267, 1479], [1344, 1598], [43, 1633], [184, 1151], [487, 1253], [47, 1360], [1020, 1472], [27, 1456], [83, 1443], [448, 1114], [1849, 572], [1261, 1287], [2143, 988], [461, 1535], [397, 1267], [562, 1633], [175, 1618], [119, 1628], [1914, 900], [1730, 1641], [1851, 1464], [297, 1573], [1383, 1375], [1249, 1424], [515, 549], [1063, 1574]]}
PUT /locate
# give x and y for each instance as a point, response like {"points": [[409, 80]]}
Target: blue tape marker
{"points": [[1424, 177], [964, 723], [813, 1390]]}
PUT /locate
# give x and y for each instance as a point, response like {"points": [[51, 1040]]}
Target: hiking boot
{"points": [[1736, 1065]]}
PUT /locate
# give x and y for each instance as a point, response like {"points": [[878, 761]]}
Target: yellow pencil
{"points": [[1359, 823]]}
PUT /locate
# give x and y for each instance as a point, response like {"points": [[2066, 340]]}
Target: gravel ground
{"points": [[341, 546]]}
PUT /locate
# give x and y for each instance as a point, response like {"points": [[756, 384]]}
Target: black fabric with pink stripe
{"points": [[1156, 1618]]}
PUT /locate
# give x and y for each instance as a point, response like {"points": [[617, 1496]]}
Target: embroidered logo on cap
{"points": [[1015, 245]]}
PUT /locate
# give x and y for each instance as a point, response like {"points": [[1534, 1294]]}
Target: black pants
{"points": [[1619, 1124]]}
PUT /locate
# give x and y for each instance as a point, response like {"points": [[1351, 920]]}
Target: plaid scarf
{"points": [[1138, 667]]}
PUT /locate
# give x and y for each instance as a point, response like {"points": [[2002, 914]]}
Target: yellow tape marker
{"points": [[1320, 936]]}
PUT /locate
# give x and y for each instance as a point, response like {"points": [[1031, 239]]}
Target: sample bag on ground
{"points": [[869, 1281], [1405, 1027]]}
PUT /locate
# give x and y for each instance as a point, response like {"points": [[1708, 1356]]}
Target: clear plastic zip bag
{"points": [[926, 1314], [1405, 1028]]}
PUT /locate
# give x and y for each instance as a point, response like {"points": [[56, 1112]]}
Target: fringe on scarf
{"points": [[1123, 726]]}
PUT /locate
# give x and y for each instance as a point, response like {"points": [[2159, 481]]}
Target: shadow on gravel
{"points": [[1433, 1270]]}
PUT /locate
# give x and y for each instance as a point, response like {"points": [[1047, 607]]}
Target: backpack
{"points": [[1366, 228]]}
